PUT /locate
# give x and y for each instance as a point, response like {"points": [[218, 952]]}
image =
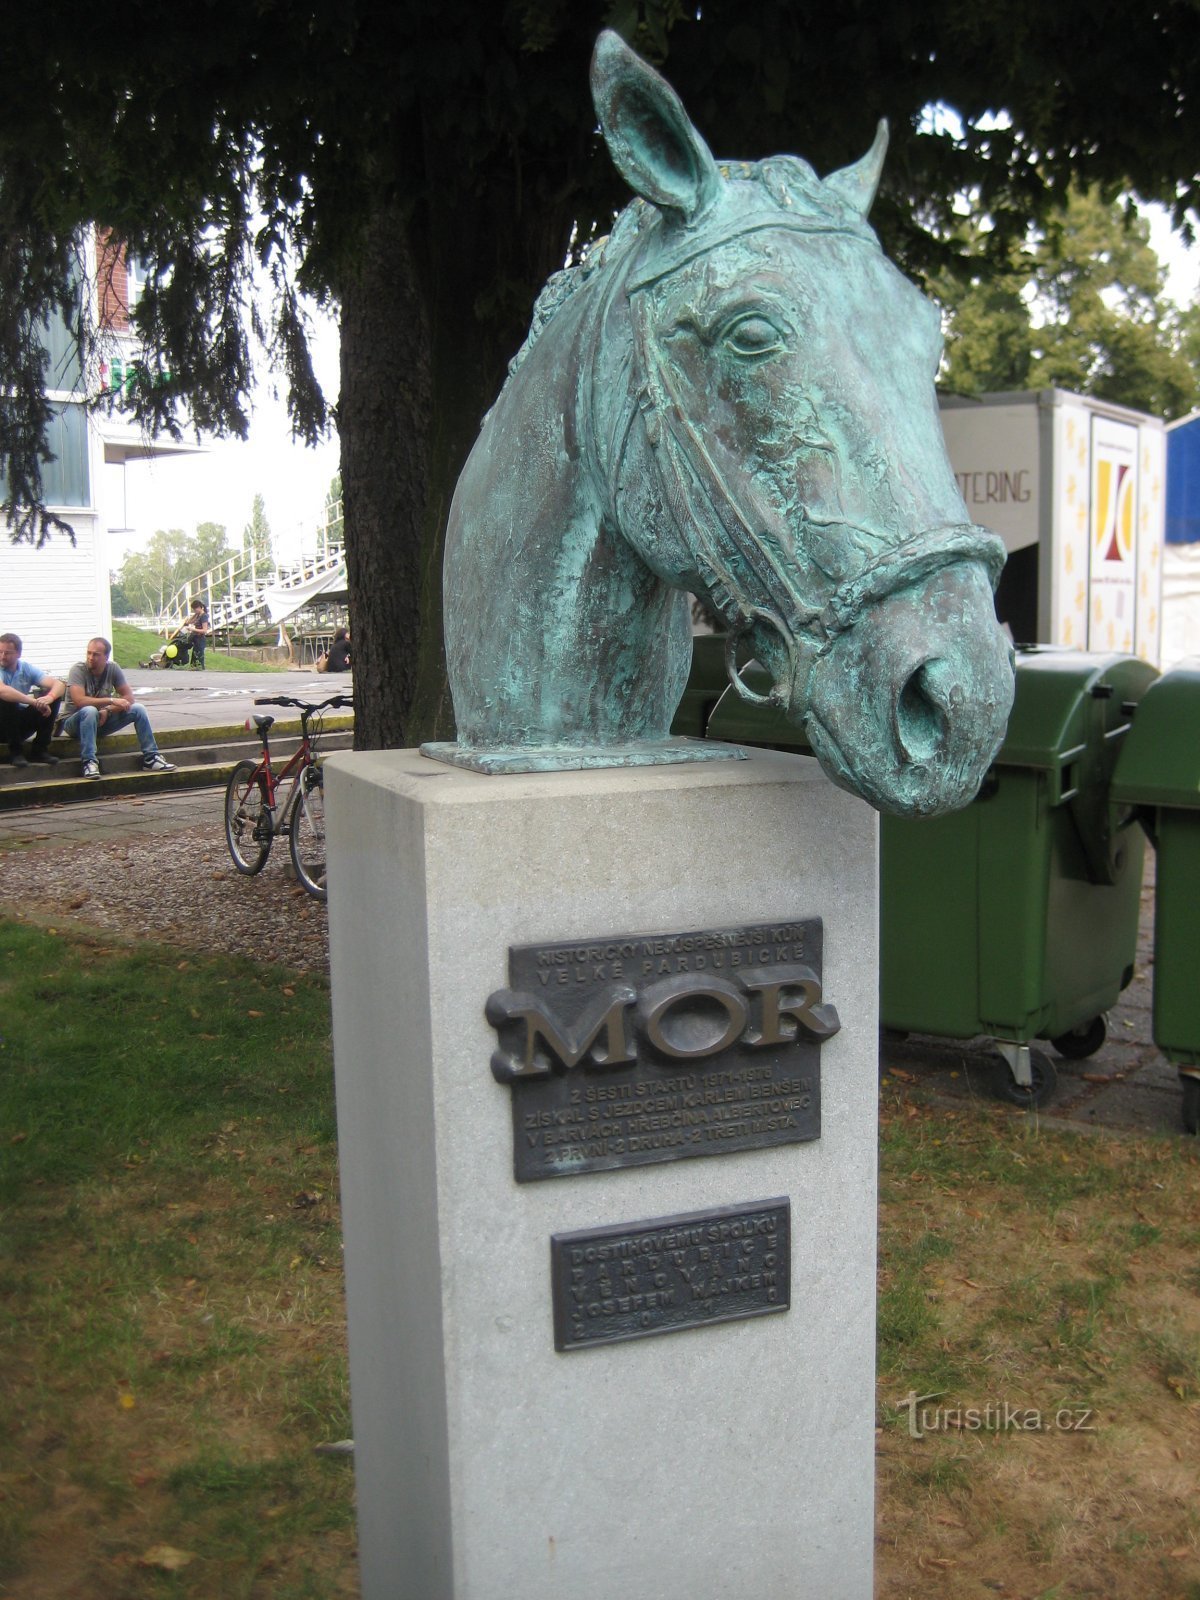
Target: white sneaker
{"points": [[157, 763], [91, 769]]}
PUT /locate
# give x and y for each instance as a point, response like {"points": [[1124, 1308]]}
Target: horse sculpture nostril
{"points": [[921, 720]]}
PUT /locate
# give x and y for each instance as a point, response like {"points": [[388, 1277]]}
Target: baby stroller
{"points": [[174, 653]]}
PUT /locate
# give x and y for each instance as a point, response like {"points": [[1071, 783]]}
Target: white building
{"points": [[57, 598]]}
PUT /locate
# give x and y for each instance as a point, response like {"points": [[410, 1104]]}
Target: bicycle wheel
{"points": [[249, 826], [307, 833]]}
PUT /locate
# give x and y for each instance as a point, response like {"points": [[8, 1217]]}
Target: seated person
{"points": [[104, 704], [22, 712], [338, 659], [196, 631]]}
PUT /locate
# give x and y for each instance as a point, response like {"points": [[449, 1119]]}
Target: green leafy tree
{"points": [[149, 577], [989, 346], [256, 538], [210, 552], [1104, 316], [334, 514], [423, 167], [122, 605], [1080, 306]]}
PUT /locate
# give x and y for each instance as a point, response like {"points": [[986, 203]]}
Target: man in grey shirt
{"points": [[104, 704]]}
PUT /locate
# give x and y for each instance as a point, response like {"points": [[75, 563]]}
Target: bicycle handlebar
{"points": [[303, 705]]}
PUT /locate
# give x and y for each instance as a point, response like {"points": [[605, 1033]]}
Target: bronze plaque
{"points": [[636, 1048], [641, 1278]]}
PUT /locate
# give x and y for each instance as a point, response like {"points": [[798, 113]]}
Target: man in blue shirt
{"points": [[24, 710]]}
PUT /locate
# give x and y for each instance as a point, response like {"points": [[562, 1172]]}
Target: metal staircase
{"points": [[237, 591]]}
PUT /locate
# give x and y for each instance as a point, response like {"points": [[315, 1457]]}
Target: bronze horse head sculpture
{"points": [[733, 396]]}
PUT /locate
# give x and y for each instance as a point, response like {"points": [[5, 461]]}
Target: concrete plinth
{"points": [[726, 1460]]}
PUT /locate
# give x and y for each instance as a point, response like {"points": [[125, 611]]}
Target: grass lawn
{"points": [[172, 1343], [172, 1338], [131, 645], [1041, 1289]]}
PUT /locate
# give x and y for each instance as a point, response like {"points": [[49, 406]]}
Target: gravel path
{"points": [[179, 883]]}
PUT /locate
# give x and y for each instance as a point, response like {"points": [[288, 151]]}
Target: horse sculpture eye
{"points": [[753, 335]]}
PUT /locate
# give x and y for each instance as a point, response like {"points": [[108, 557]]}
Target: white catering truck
{"points": [[1076, 488]]}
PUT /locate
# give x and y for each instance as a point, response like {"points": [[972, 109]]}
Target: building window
{"points": [[66, 480]]}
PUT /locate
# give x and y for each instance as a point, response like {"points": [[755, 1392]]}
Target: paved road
{"points": [[181, 698]]}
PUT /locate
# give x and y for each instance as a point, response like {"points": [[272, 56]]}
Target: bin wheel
{"points": [[1079, 1043], [1191, 1104], [1045, 1081]]}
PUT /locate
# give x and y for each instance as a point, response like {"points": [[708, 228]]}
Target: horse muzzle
{"points": [[908, 702]]}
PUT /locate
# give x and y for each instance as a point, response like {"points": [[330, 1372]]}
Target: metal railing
{"points": [[237, 590]]}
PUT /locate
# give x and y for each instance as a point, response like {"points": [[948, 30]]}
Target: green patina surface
{"points": [[732, 396]]}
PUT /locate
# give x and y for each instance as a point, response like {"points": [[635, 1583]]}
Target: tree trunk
{"points": [[383, 417], [433, 308]]}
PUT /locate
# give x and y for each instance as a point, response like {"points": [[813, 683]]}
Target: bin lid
{"points": [[1160, 762], [1053, 712]]}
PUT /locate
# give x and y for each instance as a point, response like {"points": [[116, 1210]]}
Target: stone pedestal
{"points": [[732, 1459]]}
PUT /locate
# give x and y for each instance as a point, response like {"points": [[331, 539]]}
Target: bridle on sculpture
{"points": [[716, 529]]}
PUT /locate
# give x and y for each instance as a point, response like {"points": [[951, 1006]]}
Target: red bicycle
{"points": [[253, 814]]}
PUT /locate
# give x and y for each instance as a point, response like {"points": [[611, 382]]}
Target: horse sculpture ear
{"points": [[857, 184], [648, 133]]}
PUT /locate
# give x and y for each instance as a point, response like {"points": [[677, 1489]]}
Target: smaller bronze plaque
{"points": [[641, 1278]]}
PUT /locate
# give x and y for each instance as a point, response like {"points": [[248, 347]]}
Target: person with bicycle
{"points": [[104, 704]]}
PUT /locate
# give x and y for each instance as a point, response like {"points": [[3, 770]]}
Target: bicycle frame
{"points": [[299, 759], [255, 813], [297, 762]]}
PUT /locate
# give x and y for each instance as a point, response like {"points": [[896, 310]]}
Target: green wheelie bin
{"points": [[1017, 916], [1159, 774]]}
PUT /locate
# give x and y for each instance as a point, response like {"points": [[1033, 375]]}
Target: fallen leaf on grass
{"points": [[166, 1558], [1181, 1553], [289, 991], [254, 1013], [182, 966], [905, 1077], [18, 1138], [126, 1401]]}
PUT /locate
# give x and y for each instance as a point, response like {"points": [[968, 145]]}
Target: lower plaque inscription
{"points": [[641, 1278]]}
